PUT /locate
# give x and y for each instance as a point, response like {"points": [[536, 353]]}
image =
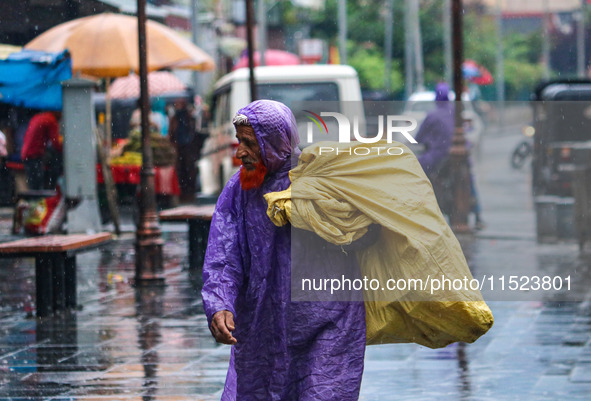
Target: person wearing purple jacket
{"points": [[436, 132], [283, 348]]}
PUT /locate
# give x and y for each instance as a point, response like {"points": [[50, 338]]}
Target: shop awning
{"points": [[33, 79]]}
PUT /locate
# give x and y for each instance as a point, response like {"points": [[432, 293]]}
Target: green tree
{"points": [[368, 60], [366, 42]]}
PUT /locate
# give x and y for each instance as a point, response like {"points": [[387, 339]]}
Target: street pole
{"points": [[262, 31], [546, 41], [408, 51], [581, 59], [342, 10], [195, 38], [148, 246], [388, 45], [250, 44], [458, 152], [500, 66], [418, 45], [447, 57]]}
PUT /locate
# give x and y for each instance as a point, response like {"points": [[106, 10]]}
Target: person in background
{"points": [[135, 121], [436, 133], [182, 134], [159, 115], [42, 139]]}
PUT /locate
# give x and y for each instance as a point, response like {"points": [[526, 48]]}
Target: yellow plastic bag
{"points": [[339, 194]]}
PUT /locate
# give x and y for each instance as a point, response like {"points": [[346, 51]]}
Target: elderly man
{"points": [[282, 349]]}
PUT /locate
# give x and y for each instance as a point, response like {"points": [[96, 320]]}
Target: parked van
{"points": [[335, 86]]}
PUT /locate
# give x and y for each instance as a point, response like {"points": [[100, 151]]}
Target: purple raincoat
{"points": [[286, 350], [436, 132]]}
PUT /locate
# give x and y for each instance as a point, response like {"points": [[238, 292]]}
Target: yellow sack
{"points": [[338, 194]]}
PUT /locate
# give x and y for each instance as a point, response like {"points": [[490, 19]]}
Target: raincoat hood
{"points": [[276, 131], [442, 92]]}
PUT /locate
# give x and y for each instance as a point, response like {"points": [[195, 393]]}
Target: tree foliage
{"points": [[369, 63], [366, 28]]}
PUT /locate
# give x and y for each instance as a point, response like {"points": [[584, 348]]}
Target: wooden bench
{"points": [[199, 220], [55, 265]]}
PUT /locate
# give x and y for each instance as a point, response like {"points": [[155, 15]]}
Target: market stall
{"points": [[165, 176]]}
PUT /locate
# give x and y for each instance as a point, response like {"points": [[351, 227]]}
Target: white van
{"points": [[336, 86]]}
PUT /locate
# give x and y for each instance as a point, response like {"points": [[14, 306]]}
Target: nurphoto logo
{"points": [[394, 125]]}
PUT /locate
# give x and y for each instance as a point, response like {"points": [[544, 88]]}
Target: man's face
{"points": [[253, 171], [248, 150]]}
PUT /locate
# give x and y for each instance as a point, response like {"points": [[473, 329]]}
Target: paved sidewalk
{"points": [[153, 344], [123, 343]]}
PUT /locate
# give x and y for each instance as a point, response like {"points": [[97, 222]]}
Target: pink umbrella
{"points": [[272, 57], [159, 83]]}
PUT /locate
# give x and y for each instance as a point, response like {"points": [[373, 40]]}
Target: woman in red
{"points": [[43, 130]]}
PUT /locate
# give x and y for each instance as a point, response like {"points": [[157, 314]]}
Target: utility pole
{"points": [[195, 38], [418, 45], [249, 40], [458, 152], [342, 4], [581, 57], [447, 51], [148, 245], [262, 30], [408, 50], [388, 45], [546, 41]]}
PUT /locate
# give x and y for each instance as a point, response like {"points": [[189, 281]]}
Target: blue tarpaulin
{"points": [[33, 79]]}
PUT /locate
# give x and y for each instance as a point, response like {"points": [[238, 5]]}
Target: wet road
{"points": [[126, 344]]}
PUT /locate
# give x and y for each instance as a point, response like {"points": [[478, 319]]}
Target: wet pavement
{"points": [[124, 343], [153, 344]]}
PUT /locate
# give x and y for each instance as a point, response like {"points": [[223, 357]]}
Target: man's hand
{"points": [[222, 325]]}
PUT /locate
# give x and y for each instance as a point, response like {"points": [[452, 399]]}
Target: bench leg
{"points": [[43, 284], [70, 269], [59, 282]]}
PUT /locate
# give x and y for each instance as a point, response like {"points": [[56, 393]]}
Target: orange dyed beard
{"points": [[250, 179]]}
